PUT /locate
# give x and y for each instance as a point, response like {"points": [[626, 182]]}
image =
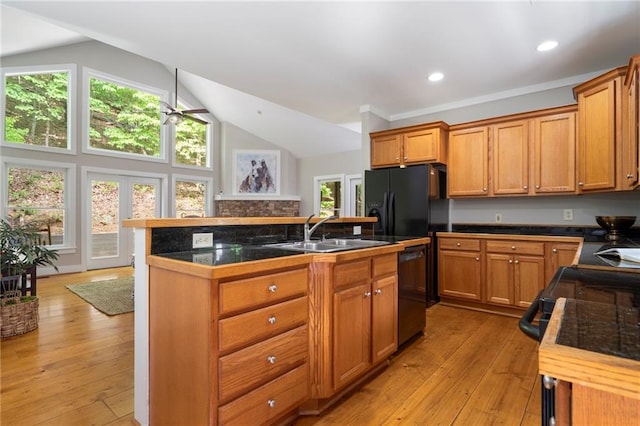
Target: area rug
{"points": [[112, 297]]}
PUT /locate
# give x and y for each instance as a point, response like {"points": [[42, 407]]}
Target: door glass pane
{"points": [[358, 199], [190, 199], [330, 197], [143, 200], [105, 202]]}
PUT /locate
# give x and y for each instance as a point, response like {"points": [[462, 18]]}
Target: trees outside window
{"points": [[192, 143], [37, 108], [192, 196], [328, 195]]}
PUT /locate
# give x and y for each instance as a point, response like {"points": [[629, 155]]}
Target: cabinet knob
{"points": [[525, 187], [513, 247], [549, 382], [273, 288], [484, 188], [271, 403], [580, 184], [271, 359], [516, 262], [397, 158], [458, 244], [406, 158], [272, 320], [537, 186], [629, 176], [367, 294], [378, 291], [510, 260], [477, 259], [555, 250]]}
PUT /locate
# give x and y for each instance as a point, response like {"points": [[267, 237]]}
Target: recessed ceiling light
{"points": [[547, 45], [436, 76]]}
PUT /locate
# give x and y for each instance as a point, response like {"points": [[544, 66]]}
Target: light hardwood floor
{"points": [[470, 368]]}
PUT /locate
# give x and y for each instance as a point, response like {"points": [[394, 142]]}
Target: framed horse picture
{"points": [[256, 172]]}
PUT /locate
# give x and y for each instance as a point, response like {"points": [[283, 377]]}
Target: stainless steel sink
{"points": [[328, 246]]}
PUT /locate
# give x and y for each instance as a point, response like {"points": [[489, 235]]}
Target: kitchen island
{"points": [[201, 357]]}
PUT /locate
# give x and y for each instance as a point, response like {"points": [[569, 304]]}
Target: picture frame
{"points": [[256, 172]]}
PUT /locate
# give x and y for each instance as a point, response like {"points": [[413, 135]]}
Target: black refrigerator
{"points": [[410, 201]]}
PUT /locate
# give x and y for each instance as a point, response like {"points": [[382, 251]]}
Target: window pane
{"points": [[105, 217], [36, 109], [330, 198], [144, 200], [191, 143], [124, 119], [190, 199], [36, 196]]}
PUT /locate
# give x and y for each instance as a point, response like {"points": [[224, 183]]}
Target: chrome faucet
{"points": [[308, 232]]}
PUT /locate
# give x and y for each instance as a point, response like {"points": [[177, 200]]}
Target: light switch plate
{"points": [[203, 240], [357, 230]]}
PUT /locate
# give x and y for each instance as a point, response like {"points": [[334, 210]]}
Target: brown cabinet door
{"points": [[384, 318], [468, 162], [460, 274], [597, 133], [560, 254], [421, 146], [500, 279], [554, 153], [528, 279], [386, 150], [351, 331], [510, 148], [630, 156]]}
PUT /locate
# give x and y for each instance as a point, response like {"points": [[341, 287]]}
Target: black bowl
{"points": [[615, 224]]}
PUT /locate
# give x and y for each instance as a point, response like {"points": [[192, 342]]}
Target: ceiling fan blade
{"points": [[168, 106], [197, 120], [195, 111]]}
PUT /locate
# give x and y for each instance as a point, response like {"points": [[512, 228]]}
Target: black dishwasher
{"points": [[412, 292]]}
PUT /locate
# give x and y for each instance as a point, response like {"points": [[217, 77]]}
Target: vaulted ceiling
{"points": [[297, 74]]}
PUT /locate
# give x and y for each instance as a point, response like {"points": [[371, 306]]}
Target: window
{"points": [[38, 103], [353, 196], [38, 193], [192, 143], [192, 195], [123, 118], [328, 195]]}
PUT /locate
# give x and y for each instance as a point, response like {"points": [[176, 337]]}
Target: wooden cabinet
{"points": [[460, 268], [510, 147], [600, 131], [468, 165], [409, 145], [515, 272], [631, 139], [354, 326], [559, 254], [227, 351]]}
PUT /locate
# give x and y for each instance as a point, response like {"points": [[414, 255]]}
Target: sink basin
{"points": [[328, 246]]}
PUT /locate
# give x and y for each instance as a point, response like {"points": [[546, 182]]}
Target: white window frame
{"points": [[208, 191], [70, 198], [87, 75], [350, 194], [209, 138], [72, 116], [317, 181]]}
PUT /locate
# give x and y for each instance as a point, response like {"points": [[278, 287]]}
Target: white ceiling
{"points": [[309, 67]]}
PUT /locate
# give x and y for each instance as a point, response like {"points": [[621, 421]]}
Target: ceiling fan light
{"points": [[547, 45], [175, 118]]}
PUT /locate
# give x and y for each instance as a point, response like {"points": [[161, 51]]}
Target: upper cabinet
{"points": [[600, 131], [631, 138], [425, 143], [523, 154]]}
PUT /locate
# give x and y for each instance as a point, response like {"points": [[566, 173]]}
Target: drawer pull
{"points": [[525, 187], [513, 247], [477, 259], [367, 294], [517, 261], [271, 359], [458, 244], [272, 320], [273, 288], [271, 403], [378, 291], [510, 261], [555, 250]]}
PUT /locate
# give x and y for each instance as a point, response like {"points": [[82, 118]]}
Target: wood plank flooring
{"points": [[470, 368]]}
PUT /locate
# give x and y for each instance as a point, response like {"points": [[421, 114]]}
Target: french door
{"points": [[112, 199]]}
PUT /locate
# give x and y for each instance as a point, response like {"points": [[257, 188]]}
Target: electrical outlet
{"points": [[567, 214], [498, 217], [357, 230], [203, 240]]}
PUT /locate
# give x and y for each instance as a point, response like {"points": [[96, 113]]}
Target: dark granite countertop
{"points": [[226, 254], [600, 327]]}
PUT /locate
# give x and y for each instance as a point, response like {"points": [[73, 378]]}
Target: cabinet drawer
{"points": [[268, 402], [518, 247], [352, 272], [245, 294], [244, 329], [387, 264], [459, 244], [243, 370]]}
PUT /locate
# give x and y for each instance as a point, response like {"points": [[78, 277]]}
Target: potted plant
{"points": [[20, 252]]}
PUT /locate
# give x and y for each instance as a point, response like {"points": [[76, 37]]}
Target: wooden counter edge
{"points": [[608, 373], [487, 236]]}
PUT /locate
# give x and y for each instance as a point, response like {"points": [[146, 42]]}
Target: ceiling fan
{"points": [[177, 116]]}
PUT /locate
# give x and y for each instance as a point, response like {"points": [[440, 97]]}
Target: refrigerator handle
{"points": [[384, 213], [392, 213]]}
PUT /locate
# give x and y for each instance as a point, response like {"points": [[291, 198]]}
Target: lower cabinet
{"points": [[233, 350], [355, 328], [499, 272]]}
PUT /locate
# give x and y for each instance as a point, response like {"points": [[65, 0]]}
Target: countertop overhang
{"points": [[230, 221]]}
